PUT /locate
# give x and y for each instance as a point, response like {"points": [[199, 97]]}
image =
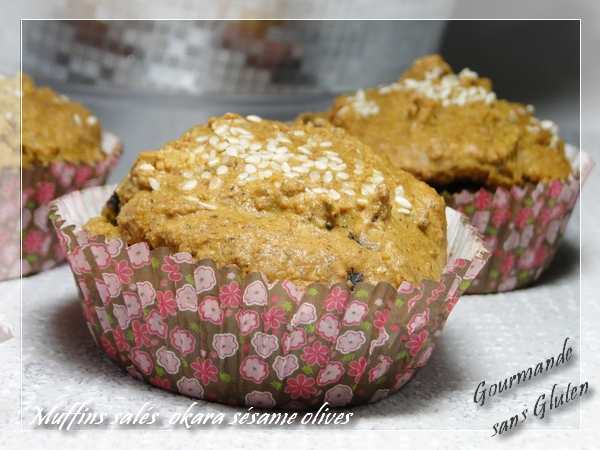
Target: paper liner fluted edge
{"points": [[522, 227], [42, 184], [208, 333], [7, 331]]}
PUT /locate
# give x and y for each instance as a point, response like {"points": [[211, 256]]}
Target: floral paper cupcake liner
{"points": [[41, 249], [207, 332], [522, 227]]}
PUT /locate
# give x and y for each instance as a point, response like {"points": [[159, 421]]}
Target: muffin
{"points": [[10, 157], [254, 263], [492, 159], [63, 149], [306, 204]]}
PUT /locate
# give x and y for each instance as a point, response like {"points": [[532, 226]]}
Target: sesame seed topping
{"points": [[213, 140], [367, 189], [530, 108], [362, 201], [222, 170], [91, 120], [255, 146], [215, 183], [207, 205], [325, 144], [335, 195], [189, 185], [320, 165], [202, 138], [304, 150], [349, 192], [253, 159], [328, 177], [187, 174], [155, 185], [299, 133], [146, 166], [403, 211], [342, 176], [285, 168], [314, 175], [403, 202], [253, 118], [206, 175], [232, 150], [77, 120], [250, 168]]}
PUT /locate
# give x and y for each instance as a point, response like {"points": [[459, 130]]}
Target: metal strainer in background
{"points": [[273, 57]]}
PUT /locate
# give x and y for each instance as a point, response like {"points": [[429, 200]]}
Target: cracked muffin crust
{"points": [[450, 130], [305, 203]]}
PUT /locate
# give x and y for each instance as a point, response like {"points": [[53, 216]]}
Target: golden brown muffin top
{"points": [[10, 122], [307, 203], [450, 129], [56, 129]]}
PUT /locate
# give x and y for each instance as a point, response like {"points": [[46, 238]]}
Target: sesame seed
{"points": [[546, 124], [320, 190], [298, 133], [213, 162], [215, 183], [328, 177], [367, 189], [342, 176], [325, 144], [263, 164], [206, 175], [320, 165], [335, 195], [253, 159], [207, 206], [377, 179], [232, 150], [188, 185], [275, 166], [281, 150], [300, 169], [403, 202], [249, 168], [221, 130], [304, 150], [245, 143], [253, 118], [155, 185], [267, 174], [199, 149], [404, 211], [282, 158], [187, 174], [192, 158], [338, 167], [243, 175], [310, 163], [362, 202], [255, 146], [91, 120], [202, 138], [146, 166], [290, 174], [349, 192], [314, 175], [232, 140], [222, 170], [214, 140], [77, 120], [285, 168], [530, 108]]}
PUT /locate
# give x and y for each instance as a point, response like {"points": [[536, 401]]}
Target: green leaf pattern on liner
{"points": [[312, 292], [225, 377], [362, 293], [155, 262]]}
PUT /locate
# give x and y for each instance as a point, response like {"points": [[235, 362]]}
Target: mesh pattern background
{"points": [[238, 57]]}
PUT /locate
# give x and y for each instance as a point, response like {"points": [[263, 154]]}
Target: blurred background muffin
{"points": [[63, 149]]}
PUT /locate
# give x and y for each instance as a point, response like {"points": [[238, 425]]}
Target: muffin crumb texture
{"points": [[56, 129], [450, 130], [10, 122], [305, 203]]}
